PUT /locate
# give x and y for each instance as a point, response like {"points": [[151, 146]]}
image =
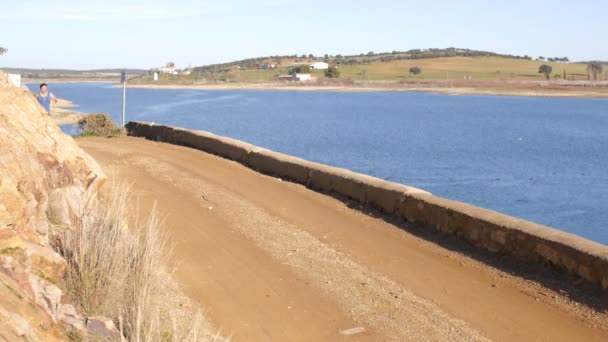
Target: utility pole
{"points": [[123, 79]]}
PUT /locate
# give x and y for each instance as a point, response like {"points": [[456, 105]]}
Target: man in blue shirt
{"points": [[45, 98]]}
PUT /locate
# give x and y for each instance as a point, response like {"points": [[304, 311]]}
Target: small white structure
{"points": [[302, 77], [15, 79], [186, 72], [267, 66], [294, 78], [155, 76], [319, 66], [168, 69]]}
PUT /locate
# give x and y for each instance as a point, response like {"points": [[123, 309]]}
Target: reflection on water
{"points": [[542, 159], [71, 129]]}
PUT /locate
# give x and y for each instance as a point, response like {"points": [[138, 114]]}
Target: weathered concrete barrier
{"points": [[481, 227]]}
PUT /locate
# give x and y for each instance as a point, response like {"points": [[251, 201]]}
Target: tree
{"points": [[415, 70], [2, 51], [301, 69], [545, 69], [170, 65], [332, 72], [594, 69]]}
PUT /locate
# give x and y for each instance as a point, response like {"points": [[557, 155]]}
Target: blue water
{"points": [[542, 159]]}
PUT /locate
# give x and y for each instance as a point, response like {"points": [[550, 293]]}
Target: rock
{"points": [[46, 295], [46, 179], [65, 205], [46, 263], [69, 317], [15, 325], [20, 320], [353, 331], [102, 327], [38, 159], [9, 241]]}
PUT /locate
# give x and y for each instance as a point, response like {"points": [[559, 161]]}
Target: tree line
{"points": [[362, 58], [594, 71]]}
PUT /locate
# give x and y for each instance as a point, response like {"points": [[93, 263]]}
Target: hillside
{"points": [[478, 68], [46, 179], [394, 66], [67, 74], [436, 64], [72, 265]]}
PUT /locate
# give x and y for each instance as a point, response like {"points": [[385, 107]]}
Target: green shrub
{"points": [[332, 72], [302, 69], [415, 70], [98, 124]]}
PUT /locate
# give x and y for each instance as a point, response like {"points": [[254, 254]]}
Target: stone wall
{"points": [[481, 227], [45, 180]]}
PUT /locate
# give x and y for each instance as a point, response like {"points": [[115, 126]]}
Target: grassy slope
{"points": [[479, 68]]}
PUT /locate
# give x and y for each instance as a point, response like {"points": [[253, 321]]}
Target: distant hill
{"points": [[72, 74], [363, 58], [435, 64]]}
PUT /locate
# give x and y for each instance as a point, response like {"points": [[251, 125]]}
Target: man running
{"points": [[44, 97]]}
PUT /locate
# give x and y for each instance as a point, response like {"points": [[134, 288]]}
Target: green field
{"points": [[453, 68], [478, 68]]}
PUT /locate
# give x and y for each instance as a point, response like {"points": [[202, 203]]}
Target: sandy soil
{"points": [[274, 261]]}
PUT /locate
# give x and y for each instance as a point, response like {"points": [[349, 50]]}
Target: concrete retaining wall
{"points": [[481, 227]]}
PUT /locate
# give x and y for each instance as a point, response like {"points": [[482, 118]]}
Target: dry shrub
{"points": [[119, 271], [98, 124]]}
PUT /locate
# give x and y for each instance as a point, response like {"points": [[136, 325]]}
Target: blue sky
{"points": [[144, 34]]}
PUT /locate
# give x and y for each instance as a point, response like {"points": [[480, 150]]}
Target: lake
{"points": [[541, 159]]}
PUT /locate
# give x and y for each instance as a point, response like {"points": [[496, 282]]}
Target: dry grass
{"points": [[119, 271]]}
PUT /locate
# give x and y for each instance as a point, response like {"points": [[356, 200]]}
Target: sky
{"points": [[145, 34]]}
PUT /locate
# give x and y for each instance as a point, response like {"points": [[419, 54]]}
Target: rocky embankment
{"points": [[45, 180]]}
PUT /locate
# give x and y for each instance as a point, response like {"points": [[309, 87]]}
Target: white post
{"points": [[124, 101]]}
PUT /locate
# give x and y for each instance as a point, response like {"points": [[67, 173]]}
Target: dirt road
{"points": [[273, 261]]}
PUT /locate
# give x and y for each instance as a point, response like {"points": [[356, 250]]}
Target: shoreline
{"points": [[454, 90], [456, 87], [62, 113]]}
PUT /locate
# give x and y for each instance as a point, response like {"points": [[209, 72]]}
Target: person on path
{"points": [[45, 97]]}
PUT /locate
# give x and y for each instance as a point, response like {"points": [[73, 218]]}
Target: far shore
{"points": [[456, 87], [506, 89], [67, 80]]}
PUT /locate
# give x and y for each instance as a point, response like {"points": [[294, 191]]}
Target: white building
{"points": [[168, 69], [267, 66], [295, 77], [319, 66], [303, 77]]}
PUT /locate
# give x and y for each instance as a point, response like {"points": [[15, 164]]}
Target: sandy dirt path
{"points": [[273, 261]]}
